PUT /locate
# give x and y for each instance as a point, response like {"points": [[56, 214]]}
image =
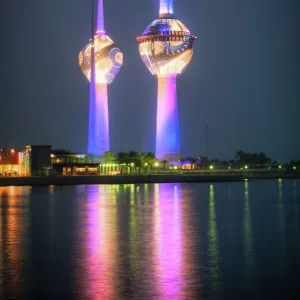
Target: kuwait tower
{"points": [[100, 61], [166, 48]]}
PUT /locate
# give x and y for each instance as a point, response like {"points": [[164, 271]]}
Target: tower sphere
{"points": [[108, 59], [166, 46]]}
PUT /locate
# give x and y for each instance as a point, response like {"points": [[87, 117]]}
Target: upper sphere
{"points": [[166, 46], [108, 59]]}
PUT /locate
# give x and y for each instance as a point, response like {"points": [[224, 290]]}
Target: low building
{"points": [[9, 162], [67, 163], [39, 159]]}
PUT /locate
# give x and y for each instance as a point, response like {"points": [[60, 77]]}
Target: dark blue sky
{"points": [[243, 81]]}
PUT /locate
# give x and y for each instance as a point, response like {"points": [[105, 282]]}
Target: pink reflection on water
{"points": [[98, 256], [168, 241]]}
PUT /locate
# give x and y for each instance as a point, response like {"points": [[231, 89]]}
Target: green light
{"points": [[146, 164], [246, 167], [211, 167], [156, 164], [294, 168], [132, 164], [279, 167]]}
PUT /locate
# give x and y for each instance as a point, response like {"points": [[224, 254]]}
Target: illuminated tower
{"points": [[100, 61], [166, 48]]}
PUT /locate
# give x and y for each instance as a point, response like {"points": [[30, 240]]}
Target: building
{"points": [[166, 48], [39, 159], [9, 162], [67, 163], [100, 61], [35, 160]]}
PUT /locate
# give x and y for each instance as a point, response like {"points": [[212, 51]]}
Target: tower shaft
{"points": [[166, 7], [167, 130], [100, 16], [98, 136]]}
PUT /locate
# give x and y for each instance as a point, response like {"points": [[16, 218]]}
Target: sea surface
{"points": [[151, 241]]}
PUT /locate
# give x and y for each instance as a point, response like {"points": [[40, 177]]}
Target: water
{"points": [[160, 241]]}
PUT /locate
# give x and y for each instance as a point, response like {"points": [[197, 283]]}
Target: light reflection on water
{"points": [[160, 241], [248, 239], [213, 246]]}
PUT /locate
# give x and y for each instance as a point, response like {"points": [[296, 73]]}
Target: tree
{"points": [[90, 158], [150, 158], [164, 162], [108, 157], [122, 157]]}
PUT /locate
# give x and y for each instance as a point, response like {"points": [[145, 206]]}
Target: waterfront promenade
{"points": [[188, 177]]}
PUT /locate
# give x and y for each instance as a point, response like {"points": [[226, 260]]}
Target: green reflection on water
{"points": [[248, 237], [133, 240], [281, 213], [296, 203], [213, 250]]}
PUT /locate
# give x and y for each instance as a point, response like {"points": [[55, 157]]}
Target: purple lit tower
{"points": [[100, 61], [166, 48]]}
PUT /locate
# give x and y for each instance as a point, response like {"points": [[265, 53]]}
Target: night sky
{"points": [[243, 81]]}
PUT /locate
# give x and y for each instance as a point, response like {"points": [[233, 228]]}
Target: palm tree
{"points": [[90, 158], [108, 157], [122, 157], [164, 162]]}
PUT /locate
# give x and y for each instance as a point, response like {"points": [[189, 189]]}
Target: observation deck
{"points": [[167, 36]]}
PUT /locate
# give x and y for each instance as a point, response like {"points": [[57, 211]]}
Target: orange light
{"points": [[12, 150]]}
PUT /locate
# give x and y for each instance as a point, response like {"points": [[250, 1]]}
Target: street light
{"points": [[211, 167], [294, 168], [246, 167]]}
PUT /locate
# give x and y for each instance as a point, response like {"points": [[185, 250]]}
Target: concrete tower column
{"points": [[100, 17], [99, 120], [167, 129], [166, 7]]}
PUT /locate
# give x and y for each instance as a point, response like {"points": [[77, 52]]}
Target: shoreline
{"points": [[140, 179]]}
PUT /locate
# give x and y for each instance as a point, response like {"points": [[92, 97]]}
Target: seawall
{"points": [[132, 179]]}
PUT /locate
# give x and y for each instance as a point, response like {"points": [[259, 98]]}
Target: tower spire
{"points": [[100, 17], [93, 48], [166, 8]]}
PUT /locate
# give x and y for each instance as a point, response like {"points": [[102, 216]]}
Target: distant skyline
{"points": [[243, 81]]}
